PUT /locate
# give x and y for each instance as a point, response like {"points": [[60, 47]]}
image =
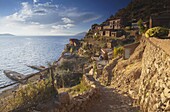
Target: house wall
{"points": [[129, 49], [127, 53], [113, 34], [107, 33], [106, 27], [135, 26], [100, 28], [116, 34], [101, 33], [117, 24], [111, 44]]}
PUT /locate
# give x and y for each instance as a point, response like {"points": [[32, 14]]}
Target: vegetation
{"points": [[142, 9], [142, 28], [69, 72], [118, 51], [28, 95], [80, 88], [68, 65], [67, 79], [159, 32]]}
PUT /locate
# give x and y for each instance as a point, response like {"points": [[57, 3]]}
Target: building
{"points": [[112, 27], [112, 44], [134, 25], [74, 42], [111, 33], [129, 49], [161, 19], [116, 33], [114, 23], [105, 32]]}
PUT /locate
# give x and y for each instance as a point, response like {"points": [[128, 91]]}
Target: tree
{"points": [[142, 28]]}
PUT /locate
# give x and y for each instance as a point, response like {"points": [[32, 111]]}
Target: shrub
{"points": [[142, 28], [159, 32], [30, 94], [118, 51], [67, 65], [80, 88]]}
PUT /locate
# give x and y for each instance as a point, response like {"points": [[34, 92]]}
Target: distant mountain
{"points": [[82, 34], [7, 34], [137, 9]]}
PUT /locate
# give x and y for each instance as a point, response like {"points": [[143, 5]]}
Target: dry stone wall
{"points": [[81, 102], [154, 91], [145, 76]]}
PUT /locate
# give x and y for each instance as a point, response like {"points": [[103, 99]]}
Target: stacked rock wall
{"points": [[154, 91], [81, 102], [145, 76]]}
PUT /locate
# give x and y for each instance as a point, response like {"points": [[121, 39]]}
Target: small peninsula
{"points": [[6, 34], [81, 34]]}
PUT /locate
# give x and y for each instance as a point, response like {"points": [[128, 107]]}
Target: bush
{"points": [[30, 94], [159, 32], [68, 65], [118, 51], [80, 88], [142, 28]]}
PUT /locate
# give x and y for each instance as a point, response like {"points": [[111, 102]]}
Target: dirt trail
{"points": [[112, 101]]}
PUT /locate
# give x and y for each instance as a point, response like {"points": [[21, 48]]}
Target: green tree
{"points": [[142, 28]]}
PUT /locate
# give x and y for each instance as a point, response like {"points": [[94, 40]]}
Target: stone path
{"points": [[112, 101]]}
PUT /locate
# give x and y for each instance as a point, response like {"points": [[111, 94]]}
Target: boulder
{"points": [[64, 98]]}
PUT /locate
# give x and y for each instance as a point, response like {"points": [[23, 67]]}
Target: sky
{"points": [[54, 17]]}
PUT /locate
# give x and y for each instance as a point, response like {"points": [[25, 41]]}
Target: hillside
{"points": [[143, 9]]}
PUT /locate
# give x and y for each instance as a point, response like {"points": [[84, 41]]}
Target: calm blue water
{"points": [[17, 52]]}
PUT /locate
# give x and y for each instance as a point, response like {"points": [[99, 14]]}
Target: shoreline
{"points": [[6, 90]]}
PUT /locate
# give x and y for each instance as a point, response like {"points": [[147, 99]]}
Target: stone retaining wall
{"points": [[154, 91], [145, 76], [80, 102]]}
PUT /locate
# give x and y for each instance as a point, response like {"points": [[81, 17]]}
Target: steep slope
{"points": [[143, 9]]}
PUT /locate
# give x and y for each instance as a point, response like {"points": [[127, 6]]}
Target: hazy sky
{"points": [[54, 17]]}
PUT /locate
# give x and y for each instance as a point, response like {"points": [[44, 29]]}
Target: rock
{"points": [[91, 72], [167, 108], [94, 86], [64, 98], [57, 103], [167, 92], [163, 98]]}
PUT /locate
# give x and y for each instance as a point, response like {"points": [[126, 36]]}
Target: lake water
{"points": [[18, 51]]}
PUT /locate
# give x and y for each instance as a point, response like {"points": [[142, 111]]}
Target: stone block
{"points": [[167, 92], [64, 98], [167, 108]]}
